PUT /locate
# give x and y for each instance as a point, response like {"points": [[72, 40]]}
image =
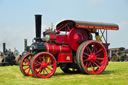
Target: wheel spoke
{"points": [[48, 60], [51, 64], [26, 68], [40, 70], [38, 62], [96, 64], [93, 49], [101, 63], [37, 65], [98, 51], [28, 71], [43, 72], [46, 71], [92, 67], [43, 58], [29, 58], [40, 59], [85, 60], [26, 60], [99, 54], [37, 70], [26, 65], [85, 54], [49, 68], [100, 58], [89, 64], [88, 48]]}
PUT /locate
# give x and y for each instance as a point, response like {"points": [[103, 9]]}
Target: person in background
{"points": [[16, 52], [90, 37], [1, 57], [98, 37]]}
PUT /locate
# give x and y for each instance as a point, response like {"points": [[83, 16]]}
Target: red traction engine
{"points": [[71, 47]]}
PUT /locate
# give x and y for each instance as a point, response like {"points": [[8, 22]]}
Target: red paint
{"points": [[91, 56], [45, 68], [60, 39], [60, 51], [25, 65], [94, 61], [52, 36], [64, 58], [76, 37], [96, 27], [56, 49]]}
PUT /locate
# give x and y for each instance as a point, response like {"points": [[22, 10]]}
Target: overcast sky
{"points": [[17, 18]]}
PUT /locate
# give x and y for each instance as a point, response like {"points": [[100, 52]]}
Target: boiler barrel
{"points": [[56, 49]]}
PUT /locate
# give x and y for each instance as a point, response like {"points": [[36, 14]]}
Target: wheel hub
{"points": [[44, 65], [92, 57]]}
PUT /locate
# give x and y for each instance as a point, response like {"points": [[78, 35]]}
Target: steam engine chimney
{"points": [[38, 27], [4, 47], [25, 43]]}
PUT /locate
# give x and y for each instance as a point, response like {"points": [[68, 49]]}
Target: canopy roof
{"points": [[68, 24]]}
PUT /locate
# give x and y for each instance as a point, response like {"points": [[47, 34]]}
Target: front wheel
{"points": [[91, 57], [43, 65], [25, 65]]}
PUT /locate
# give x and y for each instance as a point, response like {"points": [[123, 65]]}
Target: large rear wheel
{"points": [[91, 57]]}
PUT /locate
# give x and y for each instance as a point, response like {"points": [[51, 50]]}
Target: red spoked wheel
{"points": [[43, 65], [25, 65], [91, 57]]}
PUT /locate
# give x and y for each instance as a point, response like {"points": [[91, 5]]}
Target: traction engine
{"points": [[71, 47]]}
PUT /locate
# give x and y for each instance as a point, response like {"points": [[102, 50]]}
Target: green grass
{"points": [[116, 73]]}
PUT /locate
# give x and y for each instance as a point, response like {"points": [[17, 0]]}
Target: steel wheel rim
{"points": [[25, 65], [44, 65], [94, 57]]}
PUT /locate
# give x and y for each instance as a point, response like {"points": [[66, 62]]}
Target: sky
{"points": [[17, 20]]}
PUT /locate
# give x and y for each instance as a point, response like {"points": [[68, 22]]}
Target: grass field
{"points": [[116, 73]]}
